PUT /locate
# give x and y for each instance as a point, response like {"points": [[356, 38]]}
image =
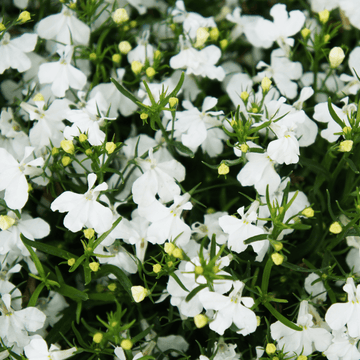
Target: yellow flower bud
{"points": [[223, 44], [278, 246], [24, 17], [169, 248], [67, 146], [72, 6], [89, 233], [110, 147], [258, 320], [244, 95], [97, 338], [6, 222], [335, 228], [326, 38], [270, 349], [2, 27], [54, 151], [308, 212], [172, 27], [156, 268], [139, 293], [92, 56], [120, 16], [265, 84], [136, 67], [200, 320], [144, 116], [173, 101], [199, 270], [133, 23], [82, 138], [150, 72], [124, 47], [88, 152], [65, 161], [177, 253], [116, 58], [71, 262], [347, 130], [346, 146], [94, 266], [112, 287], [223, 169], [301, 357], [305, 32], [277, 258], [201, 36], [38, 97], [126, 344], [336, 57], [324, 16], [157, 55], [214, 34], [244, 148]]}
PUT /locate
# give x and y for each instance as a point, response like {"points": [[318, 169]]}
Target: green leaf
{"points": [[49, 249], [34, 257], [282, 318], [121, 276], [176, 90], [151, 97], [105, 234], [256, 238], [79, 337], [175, 277], [72, 293], [182, 148], [352, 166], [125, 92], [334, 115], [195, 291], [35, 295], [141, 335]]}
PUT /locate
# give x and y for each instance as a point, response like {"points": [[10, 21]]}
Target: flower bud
{"points": [[223, 169], [200, 320], [265, 84], [308, 212], [270, 349], [173, 101], [124, 47], [244, 148], [67, 146], [116, 58], [214, 34], [112, 287], [88, 152], [336, 57], [94, 266], [139, 293], [92, 56], [82, 138], [97, 338], [150, 72], [24, 17], [244, 95], [38, 97], [324, 16], [54, 151], [156, 268], [278, 246], [66, 160], [277, 258], [120, 16], [110, 147], [144, 116], [157, 55], [347, 130], [326, 38], [169, 248], [305, 32], [89, 233], [335, 228], [71, 262], [223, 44], [177, 253], [346, 146], [126, 344], [2, 27], [201, 36], [136, 67]]}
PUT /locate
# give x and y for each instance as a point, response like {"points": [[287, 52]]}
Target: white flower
{"points": [[301, 342], [64, 28], [13, 176], [343, 346], [353, 85], [61, 74], [143, 51], [83, 209], [341, 314], [317, 290], [12, 52], [38, 350], [230, 310]]}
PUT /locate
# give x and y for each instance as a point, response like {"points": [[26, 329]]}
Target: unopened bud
{"points": [[265, 84], [67, 146], [139, 293], [346, 146], [308, 212], [244, 95], [6, 222], [336, 57], [305, 32], [277, 258], [24, 17], [335, 228], [324, 16], [110, 147], [124, 47], [200, 320], [136, 67], [120, 16], [201, 36], [223, 169]]}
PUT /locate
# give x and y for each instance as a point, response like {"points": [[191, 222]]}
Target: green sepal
{"points": [[282, 318], [195, 291], [334, 114]]}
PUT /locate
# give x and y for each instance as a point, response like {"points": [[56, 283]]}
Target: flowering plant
{"points": [[179, 179]]}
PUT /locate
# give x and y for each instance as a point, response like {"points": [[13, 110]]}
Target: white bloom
{"points": [[83, 209], [12, 52], [61, 74], [317, 290]]}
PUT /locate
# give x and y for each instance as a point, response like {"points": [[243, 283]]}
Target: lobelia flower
{"points": [[157, 178], [15, 324], [13, 176], [166, 222], [283, 71], [234, 308], [61, 74], [198, 62], [37, 349], [64, 28], [353, 85], [303, 342], [83, 209], [12, 52], [282, 28], [317, 290], [341, 314], [143, 51], [241, 229]]}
